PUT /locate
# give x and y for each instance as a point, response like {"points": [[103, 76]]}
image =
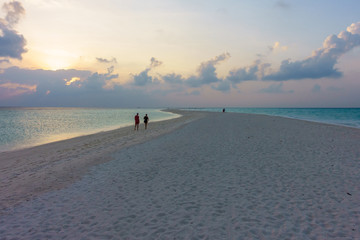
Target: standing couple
{"points": [[137, 121]]}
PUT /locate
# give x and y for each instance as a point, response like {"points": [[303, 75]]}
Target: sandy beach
{"points": [[200, 176]]}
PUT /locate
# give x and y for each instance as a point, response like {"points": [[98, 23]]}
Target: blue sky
{"points": [[157, 53]]}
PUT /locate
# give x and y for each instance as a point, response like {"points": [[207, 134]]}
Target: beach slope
{"points": [[223, 176]]}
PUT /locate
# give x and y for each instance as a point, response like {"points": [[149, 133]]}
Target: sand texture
{"points": [[221, 176], [27, 173]]}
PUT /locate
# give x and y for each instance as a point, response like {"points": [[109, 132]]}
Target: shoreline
{"points": [[27, 173], [26, 144], [299, 117]]}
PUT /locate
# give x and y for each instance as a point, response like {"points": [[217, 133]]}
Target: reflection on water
{"points": [[24, 127]]}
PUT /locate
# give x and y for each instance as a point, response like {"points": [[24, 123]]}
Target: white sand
{"points": [[27, 173], [226, 176]]}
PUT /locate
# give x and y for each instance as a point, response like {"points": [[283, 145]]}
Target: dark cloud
{"points": [[154, 62], [322, 63], [12, 44], [97, 81], [45, 80], [244, 74], [67, 88], [104, 60], [173, 78], [313, 67], [143, 78], [175, 82], [38, 76], [207, 72]]}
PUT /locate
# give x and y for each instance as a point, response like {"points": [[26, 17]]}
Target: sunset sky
{"points": [[180, 53]]}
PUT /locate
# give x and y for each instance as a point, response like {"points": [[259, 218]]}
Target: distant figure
{"points": [[137, 122], [146, 120], [223, 109]]}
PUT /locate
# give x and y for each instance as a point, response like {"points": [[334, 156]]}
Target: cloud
{"points": [[12, 44], [244, 74], [173, 78], [223, 86], [59, 81], [206, 75], [4, 60], [104, 60], [143, 78], [154, 62], [275, 89], [207, 72], [354, 28], [277, 47], [322, 62], [27, 87], [9, 90], [44, 80], [170, 83], [98, 81], [14, 11]]}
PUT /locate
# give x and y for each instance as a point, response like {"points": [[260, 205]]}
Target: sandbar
{"points": [[209, 176]]}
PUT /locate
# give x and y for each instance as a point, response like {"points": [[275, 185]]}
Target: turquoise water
{"points": [[349, 117], [25, 127]]}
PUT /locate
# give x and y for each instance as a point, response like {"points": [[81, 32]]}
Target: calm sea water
{"points": [[25, 127], [349, 117]]}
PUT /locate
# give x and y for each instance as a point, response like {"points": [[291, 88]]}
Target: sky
{"points": [[180, 53]]}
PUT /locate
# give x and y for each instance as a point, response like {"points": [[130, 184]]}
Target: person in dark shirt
{"points": [[146, 120]]}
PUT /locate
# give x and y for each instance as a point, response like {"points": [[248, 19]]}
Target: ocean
{"points": [[349, 117], [27, 127]]}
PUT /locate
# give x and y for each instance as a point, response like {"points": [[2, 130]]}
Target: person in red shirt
{"points": [[137, 122]]}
